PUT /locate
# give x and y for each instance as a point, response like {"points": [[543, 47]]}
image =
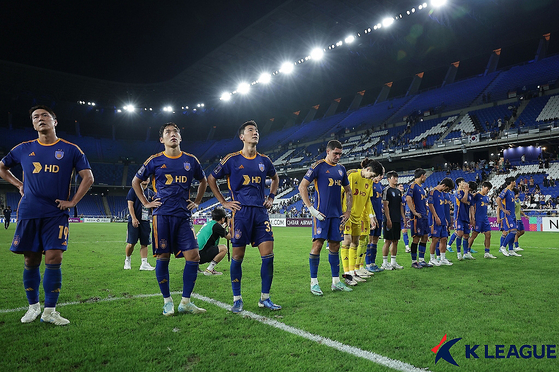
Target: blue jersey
{"points": [[480, 203], [463, 208], [417, 193], [138, 207], [376, 200], [447, 203], [47, 174], [328, 182], [173, 176], [507, 198], [246, 177], [437, 199]]}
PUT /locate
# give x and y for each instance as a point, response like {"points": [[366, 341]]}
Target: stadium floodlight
{"points": [[129, 108], [119, 110], [243, 88], [340, 43], [201, 104], [438, 3], [167, 108], [413, 10], [226, 96], [349, 39], [265, 78], [317, 54], [287, 68], [387, 21]]}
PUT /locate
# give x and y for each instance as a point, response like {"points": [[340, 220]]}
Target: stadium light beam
{"points": [[226, 96], [129, 108], [349, 39], [438, 3], [317, 54], [387, 22], [287, 68], [243, 88]]}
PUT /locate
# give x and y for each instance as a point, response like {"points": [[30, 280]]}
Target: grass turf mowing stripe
{"points": [[373, 357]]}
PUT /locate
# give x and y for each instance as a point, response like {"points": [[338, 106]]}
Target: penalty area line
{"points": [[368, 355]]}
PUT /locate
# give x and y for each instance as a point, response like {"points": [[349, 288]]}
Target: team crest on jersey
{"points": [[318, 231], [261, 167], [238, 234], [59, 154], [187, 166], [340, 172], [16, 241], [141, 170], [163, 243]]}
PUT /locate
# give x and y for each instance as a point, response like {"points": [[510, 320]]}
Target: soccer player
{"points": [[481, 220], [438, 219], [138, 227], [361, 218], [518, 212], [173, 171], [454, 236], [7, 216], [506, 217], [48, 164], [419, 223], [208, 240], [405, 218], [329, 178], [246, 173], [462, 221], [374, 235], [393, 214]]}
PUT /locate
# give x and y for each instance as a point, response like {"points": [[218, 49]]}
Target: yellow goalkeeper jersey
{"points": [[362, 190]]}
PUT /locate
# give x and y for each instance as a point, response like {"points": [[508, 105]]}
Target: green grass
{"points": [[400, 315]]}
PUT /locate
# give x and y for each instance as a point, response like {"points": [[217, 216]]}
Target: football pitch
{"points": [[391, 322]]}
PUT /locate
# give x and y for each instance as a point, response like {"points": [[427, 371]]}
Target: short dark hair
{"points": [[334, 144], [509, 180], [218, 213], [375, 166], [419, 172], [487, 184], [391, 174], [44, 107], [472, 185], [169, 124], [459, 181], [246, 124], [448, 182]]}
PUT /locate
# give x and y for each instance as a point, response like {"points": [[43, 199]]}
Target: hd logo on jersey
{"points": [[332, 182], [176, 179], [48, 168]]}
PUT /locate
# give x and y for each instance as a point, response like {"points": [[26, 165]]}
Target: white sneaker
{"points": [[386, 266], [518, 249], [127, 265], [364, 273], [408, 250], [459, 256], [488, 255], [513, 253], [146, 267], [469, 256], [395, 266], [54, 318], [32, 313], [503, 250], [434, 263], [445, 262]]}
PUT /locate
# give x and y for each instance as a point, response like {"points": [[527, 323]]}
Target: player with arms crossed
{"points": [[246, 173], [506, 217], [48, 164], [393, 215], [173, 171], [439, 220], [329, 178], [481, 220], [419, 223]]}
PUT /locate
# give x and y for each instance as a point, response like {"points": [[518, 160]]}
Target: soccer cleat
{"points": [[445, 262], [145, 266], [395, 266], [472, 251], [268, 304], [408, 250], [416, 265], [237, 306], [339, 286], [513, 253], [349, 280], [504, 251], [364, 273], [518, 249], [459, 256], [425, 264], [358, 278], [32, 313], [468, 256], [190, 308], [374, 268], [54, 318], [386, 266], [212, 272], [488, 255], [449, 248], [169, 309], [434, 263], [315, 290], [127, 265]]}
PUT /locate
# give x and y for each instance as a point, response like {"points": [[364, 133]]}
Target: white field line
{"points": [[373, 357]]}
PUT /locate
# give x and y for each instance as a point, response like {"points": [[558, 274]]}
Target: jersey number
{"points": [[63, 231]]}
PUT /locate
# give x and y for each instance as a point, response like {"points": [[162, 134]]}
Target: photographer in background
{"points": [[208, 240]]}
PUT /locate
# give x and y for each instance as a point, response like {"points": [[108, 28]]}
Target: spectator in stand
{"points": [[545, 181], [531, 182]]}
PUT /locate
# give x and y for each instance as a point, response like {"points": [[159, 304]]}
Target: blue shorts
{"points": [[419, 226], [519, 225], [251, 225], [377, 231], [508, 223], [41, 234], [141, 232], [482, 226], [463, 226], [172, 235], [329, 229], [438, 231]]}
